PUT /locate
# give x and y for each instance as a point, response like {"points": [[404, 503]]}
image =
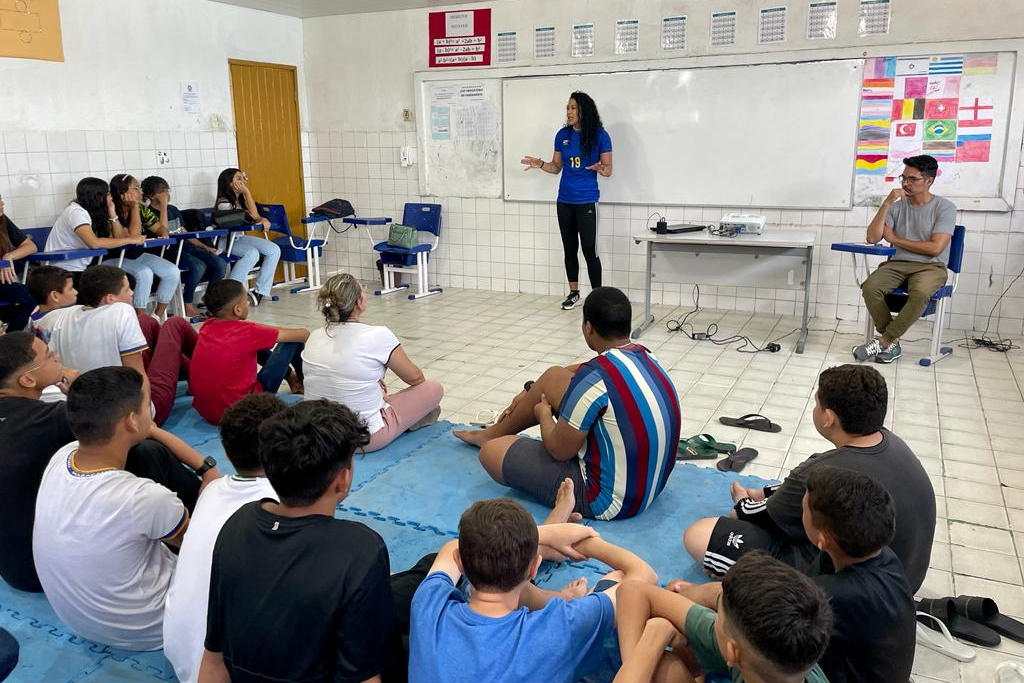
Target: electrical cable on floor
{"points": [[1001, 345], [678, 325]]}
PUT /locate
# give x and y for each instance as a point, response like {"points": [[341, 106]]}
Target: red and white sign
{"points": [[906, 130], [460, 38]]}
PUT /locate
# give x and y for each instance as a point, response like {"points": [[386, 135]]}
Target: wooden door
{"points": [[266, 104]]}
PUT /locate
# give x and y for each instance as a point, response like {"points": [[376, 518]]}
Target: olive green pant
{"points": [[921, 280]]}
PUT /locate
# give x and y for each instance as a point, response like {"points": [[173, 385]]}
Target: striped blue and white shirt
{"points": [[629, 408]]}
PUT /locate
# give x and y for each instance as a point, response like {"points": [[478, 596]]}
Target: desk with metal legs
{"points": [[793, 243]]}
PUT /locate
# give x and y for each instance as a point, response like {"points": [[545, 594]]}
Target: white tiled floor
{"points": [[963, 417]]}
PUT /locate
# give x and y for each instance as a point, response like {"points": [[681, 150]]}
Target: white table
{"points": [[772, 243]]}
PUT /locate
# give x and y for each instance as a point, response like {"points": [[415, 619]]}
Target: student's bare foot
{"points": [[575, 589], [474, 437], [565, 503]]}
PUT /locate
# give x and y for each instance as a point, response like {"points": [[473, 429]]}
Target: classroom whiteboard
{"points": [[770, 135], [460, 135]]}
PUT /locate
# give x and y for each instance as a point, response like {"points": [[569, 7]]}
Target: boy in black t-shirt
{"points": [[849, 411], [295, 594], [851, 519]]}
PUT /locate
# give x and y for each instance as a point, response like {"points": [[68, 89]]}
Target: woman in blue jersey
{"points": [[583, 151]]}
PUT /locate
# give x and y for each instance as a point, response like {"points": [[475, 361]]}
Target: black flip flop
{"points": [[753, 421], [959, 626], [735, 462], [984, 611]]}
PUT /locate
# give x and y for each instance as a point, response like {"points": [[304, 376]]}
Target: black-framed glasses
{"points": [[904, 178]]}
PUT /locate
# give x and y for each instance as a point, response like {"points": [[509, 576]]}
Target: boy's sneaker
{"points": [[255, 297], [866, 351], [571, 301], [889, 353]]}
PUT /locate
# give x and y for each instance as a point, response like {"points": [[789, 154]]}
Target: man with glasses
{"points": [[920, 225]]}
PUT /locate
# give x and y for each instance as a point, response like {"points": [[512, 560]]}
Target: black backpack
{"points": [[334, 208]]}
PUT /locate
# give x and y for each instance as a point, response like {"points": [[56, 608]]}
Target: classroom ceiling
{"points": [[304, 9]]}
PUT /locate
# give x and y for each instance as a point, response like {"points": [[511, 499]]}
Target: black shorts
{"points": [[732, 538], [528, 467]]}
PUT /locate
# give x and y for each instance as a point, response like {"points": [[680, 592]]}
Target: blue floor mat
{"points": [[412, 493]]}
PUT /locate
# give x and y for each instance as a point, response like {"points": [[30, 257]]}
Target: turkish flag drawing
{"points": [[906, 130]]}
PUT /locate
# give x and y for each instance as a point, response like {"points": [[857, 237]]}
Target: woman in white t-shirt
{"points": [[89, 222], [345, 361]]}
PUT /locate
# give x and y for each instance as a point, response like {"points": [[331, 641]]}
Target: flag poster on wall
{"points": [[460, 38]]}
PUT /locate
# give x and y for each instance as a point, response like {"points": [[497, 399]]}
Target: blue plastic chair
{"points": [[39, 236], [939, 303], [426, 218], [296, 249]]}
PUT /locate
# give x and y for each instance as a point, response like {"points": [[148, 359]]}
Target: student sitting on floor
{"points": [[849, 411], [772, 624], [233, 193], [618, 424], [345, 361], [104, 331], [510, 630], [14, 245], [295, 594], [189, 594], [201, 262], [51, 288], [850, 517], [229, 348], [31, 431], [100, 532]]}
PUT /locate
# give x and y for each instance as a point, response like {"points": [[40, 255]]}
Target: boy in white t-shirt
{"points": [[100, 332], [99, 532], [188, 597], [106, 331]]}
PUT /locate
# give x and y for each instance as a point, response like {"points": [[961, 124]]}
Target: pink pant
{"points": [[167, 359], [407, 408]]}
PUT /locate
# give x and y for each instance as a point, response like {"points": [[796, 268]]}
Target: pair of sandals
{"points": [[970, 618], [705, 447]]}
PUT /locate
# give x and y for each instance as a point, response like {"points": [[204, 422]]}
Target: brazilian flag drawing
{"points": [[940, 129]]}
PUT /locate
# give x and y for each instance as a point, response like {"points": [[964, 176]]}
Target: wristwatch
{"points": [[208, 464]]}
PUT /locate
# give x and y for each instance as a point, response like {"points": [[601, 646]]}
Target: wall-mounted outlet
{"points": [[407, 115], [163, 159]]}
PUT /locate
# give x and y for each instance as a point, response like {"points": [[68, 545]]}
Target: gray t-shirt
{"points": [[919, 223]]}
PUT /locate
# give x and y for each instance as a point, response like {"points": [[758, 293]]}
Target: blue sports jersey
{"points": [[578, 185], [629, 408]]}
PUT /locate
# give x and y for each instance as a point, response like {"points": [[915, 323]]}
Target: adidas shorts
{"points": [[731, 538]]}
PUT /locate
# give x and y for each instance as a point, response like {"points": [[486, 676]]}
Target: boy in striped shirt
{"points": [[615, 431]]}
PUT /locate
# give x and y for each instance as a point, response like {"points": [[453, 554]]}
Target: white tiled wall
{"points": [[39, 170], [490, 243], [514, 246]]}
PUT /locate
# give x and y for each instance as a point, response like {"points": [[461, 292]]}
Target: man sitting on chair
{"points": [[920, 225]]}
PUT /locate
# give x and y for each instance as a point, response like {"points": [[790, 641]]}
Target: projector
{"points": [[743, 223]]}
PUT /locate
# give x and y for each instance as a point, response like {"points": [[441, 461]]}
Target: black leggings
{"points": [[578, 224]]}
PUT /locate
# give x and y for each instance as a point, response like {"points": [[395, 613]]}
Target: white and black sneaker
{"points": [[571, 301], [255, 297]]}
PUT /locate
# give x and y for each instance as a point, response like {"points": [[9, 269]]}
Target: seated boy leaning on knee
{"points": [[764, 622], [510, 630]]}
